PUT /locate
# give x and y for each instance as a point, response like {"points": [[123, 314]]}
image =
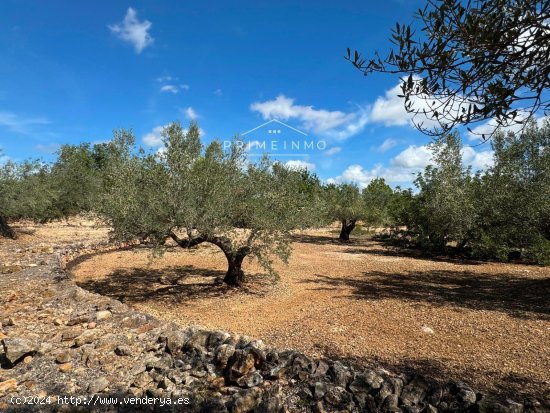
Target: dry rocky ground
{"points": [[395, 321]]}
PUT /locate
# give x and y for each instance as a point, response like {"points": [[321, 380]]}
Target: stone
{"points": [[142, 380], [174, 342], [87, 337], [17, 348], [70, 333], [103, 315], [337, 396], [427, 330], [123, 351], [319, 390], [80, 319], [246, 401], [98, 385], [250, 380], [223, 354], [65, 367], [364, 383], [92, 325], [414, 392], [340, 374], [466, 394], [391, 404], [8, 386], [490, 405], [321, 369], [240, 363], [63, 357], [27, 359]]}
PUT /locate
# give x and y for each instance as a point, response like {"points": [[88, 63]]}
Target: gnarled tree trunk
{"points": [[347, 227], [235, 257], [234, 275], [5, 229]]}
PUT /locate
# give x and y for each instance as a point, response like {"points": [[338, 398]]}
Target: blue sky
{"points": [[74, 71]]}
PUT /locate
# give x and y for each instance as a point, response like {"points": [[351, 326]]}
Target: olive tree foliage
{"points": [[193, 194], [377, 198], [512, 199], [467, 61], [443, 211], [501, 213], [343, 203], [26, 191], [78, 173]]}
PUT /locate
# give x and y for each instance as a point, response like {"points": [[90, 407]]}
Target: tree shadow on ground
{"points": [[173, 285], [399, 252], [324, 240], [510, 294], [512, 385]]}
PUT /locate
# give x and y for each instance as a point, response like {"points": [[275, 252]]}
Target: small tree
{"points": [[513, 198], [377, 197], [210, 195], [443, 211], [344, 203], [78, 173], [26, 191]]}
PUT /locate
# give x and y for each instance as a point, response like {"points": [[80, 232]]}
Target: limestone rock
{"points": [[17, 348], [98, 385]]}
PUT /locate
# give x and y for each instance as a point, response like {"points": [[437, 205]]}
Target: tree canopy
{"points": [[464, 62], [192, 194]]}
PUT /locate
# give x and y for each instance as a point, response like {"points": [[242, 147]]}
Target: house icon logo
{"points": [[277, 138], [273, 126]]}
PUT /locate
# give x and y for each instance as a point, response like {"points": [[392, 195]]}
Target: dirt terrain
{"points": [[487, 324]]}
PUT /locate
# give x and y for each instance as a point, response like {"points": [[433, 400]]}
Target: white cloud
{"points": [[413, 157], [490, 126], [169, 88], [132, 31], [387, 145], [333, 151], [190, 113], [19, 124], [478, 160], [154, 138], [218, 92], [299, 164], [404, 167], [362, 177], [336, 124], [390, 109], [175, 89]]}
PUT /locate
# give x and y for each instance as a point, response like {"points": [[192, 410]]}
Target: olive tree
{"points": [[344, 204], [78, 173], [443, 210], [377, 197], [26, 191], [512, 198], [192, 194]]}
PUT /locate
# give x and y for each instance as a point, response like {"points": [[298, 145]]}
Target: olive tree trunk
{"points": [[347, 227], [235, 256], [5, 229]]}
